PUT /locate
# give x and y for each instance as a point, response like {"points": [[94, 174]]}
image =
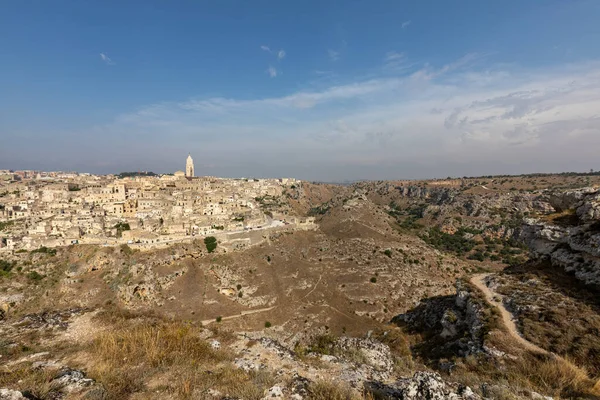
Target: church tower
{"points": [[189, 167]]}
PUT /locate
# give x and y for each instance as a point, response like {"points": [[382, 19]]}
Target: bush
{"points": [[373, 280], [323, 344], [454, 243], [219, 319], [478, 255], [267, 324], [121, 227], [35, 276], [125, 249], [6, 267], [6, 224], [320, 210], [211, 243], [388, 253], [45, 250]]}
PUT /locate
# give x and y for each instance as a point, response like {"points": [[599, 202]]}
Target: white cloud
{"points": [[106, 59], [281, 54], [405, 24], [333, 55], [397, 62], [428, 72], [394, 56], [265, 48], [272, 71], [450, 120]]}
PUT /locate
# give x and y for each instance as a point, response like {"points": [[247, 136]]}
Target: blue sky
{"points": [[320, 90]]}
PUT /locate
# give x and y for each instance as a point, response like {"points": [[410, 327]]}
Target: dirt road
{"points": [[507, 318], [208, 321]]}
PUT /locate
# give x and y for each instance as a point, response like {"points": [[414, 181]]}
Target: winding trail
{"points": [[507, 318], [241, 314]]}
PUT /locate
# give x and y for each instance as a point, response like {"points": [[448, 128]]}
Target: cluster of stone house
{"points": [[62, 210]]}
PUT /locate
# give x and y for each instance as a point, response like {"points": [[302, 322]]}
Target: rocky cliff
{"points": [[571, 238]]}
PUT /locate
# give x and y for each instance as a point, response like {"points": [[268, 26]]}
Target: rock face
{"points": [[7, 394], [458, 319], [574, 244], [424, 386]]}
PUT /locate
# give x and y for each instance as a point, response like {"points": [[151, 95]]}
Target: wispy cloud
{"points": [[395, 61], [272, 71], [428, 72], [394, 56], [405, 24], [461, 118], [106, 59], [279, 55], [333, 55]]}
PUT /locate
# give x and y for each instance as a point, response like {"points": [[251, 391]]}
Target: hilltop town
{"points": [[143, 210]]}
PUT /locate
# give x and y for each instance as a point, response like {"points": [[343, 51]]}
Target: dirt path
{"points": [[507, 318], [208, 321]]}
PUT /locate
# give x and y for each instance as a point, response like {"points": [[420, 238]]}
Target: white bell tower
{"points": [[189, 167]]}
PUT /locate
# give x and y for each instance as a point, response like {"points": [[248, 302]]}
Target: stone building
{"points": [[189, 167]]}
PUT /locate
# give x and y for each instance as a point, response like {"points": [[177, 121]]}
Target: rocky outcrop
{"points": [[66, 381], [423, 386], [460, 320], [571, 241], [7, 394]]}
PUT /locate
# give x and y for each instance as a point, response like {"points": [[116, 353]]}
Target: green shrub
{"points": [[121, 227], [211, 243], [373, 280], [125, 249], [35, 276], [454, 243], [219, 319], [6, 224], [6, 267], [267, 324], [322, 344], [45, 250]]}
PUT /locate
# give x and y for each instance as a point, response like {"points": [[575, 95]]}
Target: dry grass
{"points": [[558, 313], [329, 390], [23, 377], [563, 218], [172, 356], [548, 375], [228, 380], [156, 345]]}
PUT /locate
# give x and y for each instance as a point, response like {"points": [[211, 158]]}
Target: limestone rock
{"points": [[7, 394], [424, 386], [72, 380], [575, 247]]}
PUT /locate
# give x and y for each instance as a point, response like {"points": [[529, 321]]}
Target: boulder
{"points": [[424, 386], [7, 394]]}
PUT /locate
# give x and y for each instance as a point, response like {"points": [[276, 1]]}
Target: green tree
{"points": [[211, 243]]}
